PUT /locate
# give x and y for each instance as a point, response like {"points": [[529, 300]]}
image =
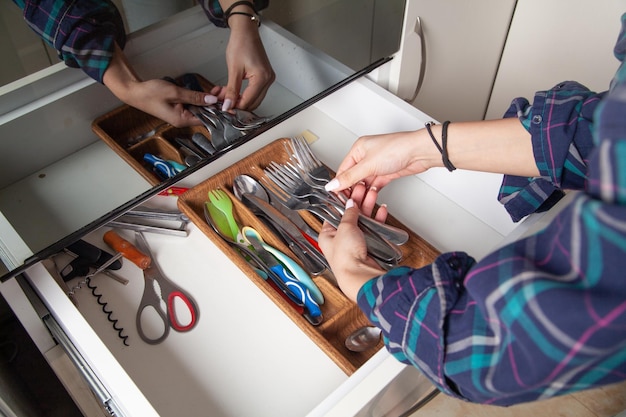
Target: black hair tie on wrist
{"points": [[443, 149], [254, 16]]}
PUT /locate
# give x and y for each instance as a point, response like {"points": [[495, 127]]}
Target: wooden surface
{"points": [[341, 316]]}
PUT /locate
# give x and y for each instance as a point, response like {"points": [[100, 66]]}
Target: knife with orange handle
{"points": [[127, 249]]}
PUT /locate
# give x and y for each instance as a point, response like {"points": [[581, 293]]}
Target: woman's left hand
{"points": [[345, 248]]}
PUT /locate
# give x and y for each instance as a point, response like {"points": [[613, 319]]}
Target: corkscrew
{"points": [[86, 281]]}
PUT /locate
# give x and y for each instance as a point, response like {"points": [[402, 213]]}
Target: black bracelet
{"points": [[238, 3], [443, 149], [444, 145], [253, 16]]}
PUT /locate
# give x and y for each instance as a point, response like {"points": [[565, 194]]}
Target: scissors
{"points": [[160, 294]]}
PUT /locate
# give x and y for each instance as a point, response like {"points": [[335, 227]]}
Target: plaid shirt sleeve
{"points": [[543, 316], [83, 32]]}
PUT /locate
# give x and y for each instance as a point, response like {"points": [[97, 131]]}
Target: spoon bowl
{"points": [[363, 338]]}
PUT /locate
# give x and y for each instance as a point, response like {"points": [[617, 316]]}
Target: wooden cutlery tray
{"points": [[119, 127], [341, 316]]}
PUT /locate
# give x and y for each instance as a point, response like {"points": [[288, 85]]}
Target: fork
{"points": [[300, 186], [315, 170], [377, 247]]}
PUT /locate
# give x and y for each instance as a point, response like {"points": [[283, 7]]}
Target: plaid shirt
{"points": [[545, 315], [84, 32]]}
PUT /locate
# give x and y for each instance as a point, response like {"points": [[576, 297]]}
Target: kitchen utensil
{"points": [[301, 244], [135, 140], [363, 338], [261, 269], [160, 295], [294, 179], [222, 202], [246, 184], [160, 166], [376, 246], [188, 147], [295, 269], [296, 288], [203, 143], [153, 220]]}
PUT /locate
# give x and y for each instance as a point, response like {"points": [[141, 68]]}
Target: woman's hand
{"points": [[159, 98], [345, 248], [379, 159], [246, 60], [502, 146]]}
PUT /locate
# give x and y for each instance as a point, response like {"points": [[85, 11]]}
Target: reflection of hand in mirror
{"points": [[90, 35], [159, 98], [245, 57]]}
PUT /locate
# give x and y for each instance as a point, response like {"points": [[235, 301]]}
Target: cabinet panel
{"points": [[464, 41], [554, 41]]}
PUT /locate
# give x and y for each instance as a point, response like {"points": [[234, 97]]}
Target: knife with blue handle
{"points": [[296, 288], [160, 166]]}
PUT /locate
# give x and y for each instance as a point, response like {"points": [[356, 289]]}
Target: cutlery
{"points": [[295, 287], [249, 254], [304, 246], [363, 338], [295, 269], [376, 246]]}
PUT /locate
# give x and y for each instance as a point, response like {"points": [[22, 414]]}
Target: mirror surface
{"points": [[58, 176]]}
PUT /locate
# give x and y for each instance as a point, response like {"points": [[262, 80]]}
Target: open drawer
{"points": [[245, 356]]}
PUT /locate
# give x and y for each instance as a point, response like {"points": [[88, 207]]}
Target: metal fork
{"points": [[297, 183], [376, 246], [318, 173]]}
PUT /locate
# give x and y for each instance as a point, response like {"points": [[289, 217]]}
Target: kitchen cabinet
{"points": [[462, 45], [245, 357], [569, 40]]}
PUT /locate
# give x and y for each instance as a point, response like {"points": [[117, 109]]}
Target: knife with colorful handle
{"points": [[297, 289], [162, 168]]}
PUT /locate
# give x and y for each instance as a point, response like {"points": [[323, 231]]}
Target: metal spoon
{"points": [[311, 257], [363, 338]]}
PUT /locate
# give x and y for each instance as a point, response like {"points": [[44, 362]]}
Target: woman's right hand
{"points": [[377, 160]]}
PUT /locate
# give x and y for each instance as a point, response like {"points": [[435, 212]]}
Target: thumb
{"points": [[351, 214], [346, 179], [232, 91], [197, 98]]}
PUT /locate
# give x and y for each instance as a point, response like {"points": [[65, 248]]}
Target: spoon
{"points": [[246, 184], [306, 250], [363, 338]]}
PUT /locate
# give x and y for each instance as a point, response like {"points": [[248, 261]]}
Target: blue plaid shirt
{"points": [[545, 315], [84, 32]]}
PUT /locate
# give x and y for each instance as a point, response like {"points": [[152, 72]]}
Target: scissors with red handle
{"points": [[160, 295]]}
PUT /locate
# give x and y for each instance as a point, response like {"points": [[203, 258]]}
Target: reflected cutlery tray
{"points": [[131, 133], [341, 316]]}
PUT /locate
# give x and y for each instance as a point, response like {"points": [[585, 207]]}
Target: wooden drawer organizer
{"points": [[118, 128], [341, 316]]}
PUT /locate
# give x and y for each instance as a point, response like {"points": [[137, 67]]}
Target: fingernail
{"points": [[349, 203], [332, 185], [373, 188], [227, 103], [210, 99]]}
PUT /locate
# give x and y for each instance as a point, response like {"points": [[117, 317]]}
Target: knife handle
{"points": [[123, 246], [298, 290]]}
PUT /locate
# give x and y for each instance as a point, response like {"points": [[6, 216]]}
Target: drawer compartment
{"points": [[341, 316]]}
